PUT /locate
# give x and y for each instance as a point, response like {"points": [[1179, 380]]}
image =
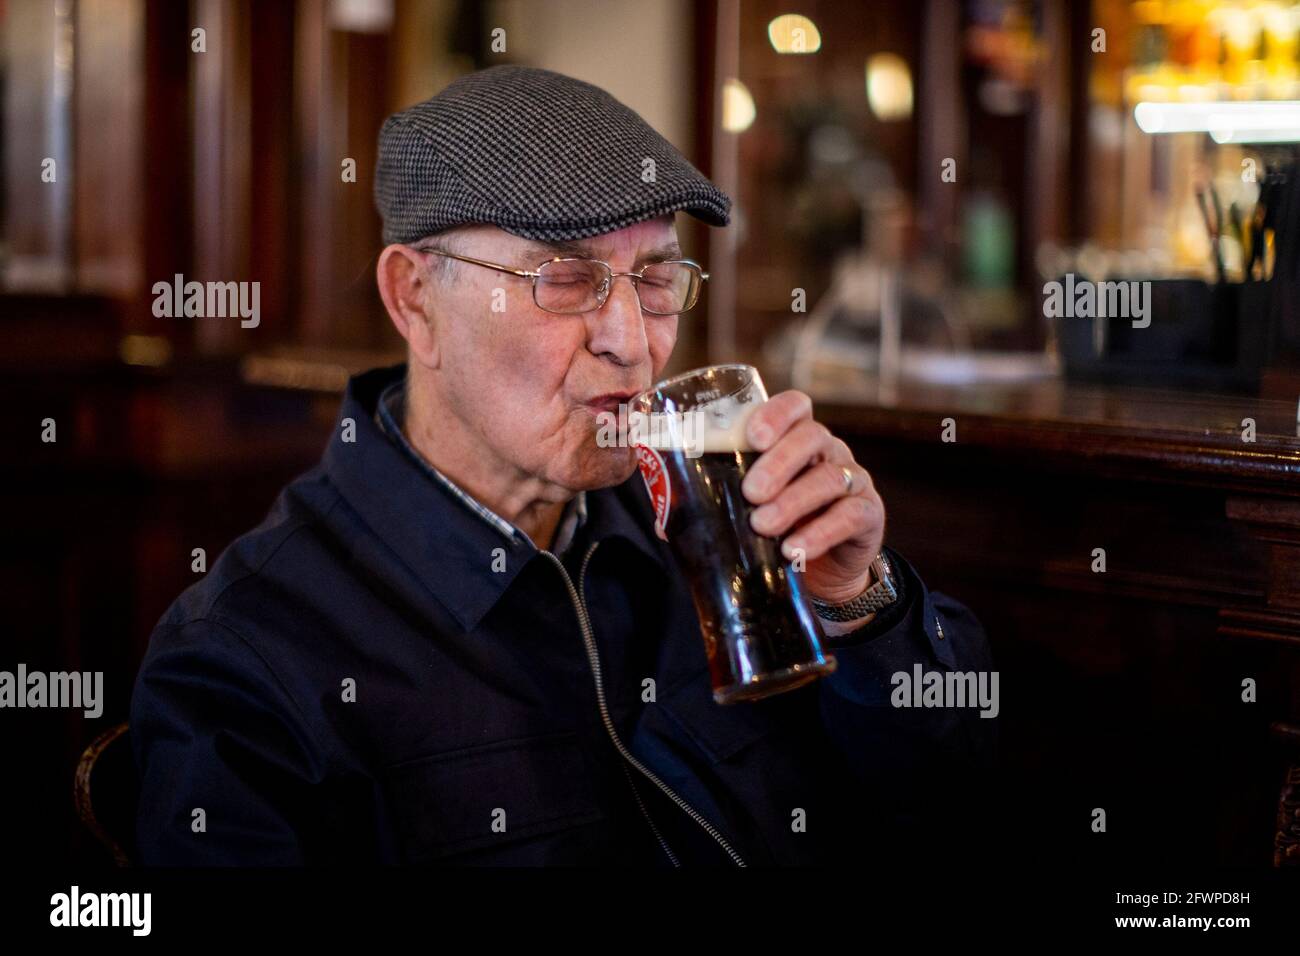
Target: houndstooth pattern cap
{"points": [[536, 153]]}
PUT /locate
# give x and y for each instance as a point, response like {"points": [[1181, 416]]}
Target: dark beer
{"points": [[760, 634], [751, 605]]}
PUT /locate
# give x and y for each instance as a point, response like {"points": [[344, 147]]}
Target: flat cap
{"points": [[536, 153]]}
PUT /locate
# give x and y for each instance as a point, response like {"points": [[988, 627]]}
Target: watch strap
{"points": [[879, 595]]}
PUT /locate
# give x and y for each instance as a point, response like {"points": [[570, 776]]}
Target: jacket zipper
{"points": [[575, 594]]}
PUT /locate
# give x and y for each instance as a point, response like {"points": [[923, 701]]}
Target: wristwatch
{"points": [[879, 595]]}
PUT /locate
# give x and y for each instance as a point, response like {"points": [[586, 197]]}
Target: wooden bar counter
{"points": [[1164, 689]]}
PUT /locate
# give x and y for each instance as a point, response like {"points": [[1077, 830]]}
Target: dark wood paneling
{"points": [[1121, 689]]}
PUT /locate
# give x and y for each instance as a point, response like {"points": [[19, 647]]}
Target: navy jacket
{"points": [[377, 674]]}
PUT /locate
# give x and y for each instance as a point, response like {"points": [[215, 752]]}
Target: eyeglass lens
{"points": [[580, 285]]}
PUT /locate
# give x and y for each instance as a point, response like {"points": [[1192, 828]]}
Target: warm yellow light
{"points": [[737, 106], [889, 86], [151, 350], [792, 33]]}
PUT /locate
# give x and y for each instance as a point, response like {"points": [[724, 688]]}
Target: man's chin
{"points": [[605, 468]]}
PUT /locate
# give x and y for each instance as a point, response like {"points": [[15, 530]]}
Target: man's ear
{"points": [[403, 282]]}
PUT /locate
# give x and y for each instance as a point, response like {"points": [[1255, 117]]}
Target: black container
{"points": [[1201, 335]]}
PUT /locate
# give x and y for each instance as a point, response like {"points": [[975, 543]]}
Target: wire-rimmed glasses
{"points": [[569, 285]]}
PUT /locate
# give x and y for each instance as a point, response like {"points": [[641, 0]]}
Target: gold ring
{"points": [[848, 479]]}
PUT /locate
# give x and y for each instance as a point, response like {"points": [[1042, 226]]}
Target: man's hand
{"points": [[799, 484]]}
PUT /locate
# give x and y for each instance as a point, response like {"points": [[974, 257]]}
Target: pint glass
{"points": [[760, 634]]}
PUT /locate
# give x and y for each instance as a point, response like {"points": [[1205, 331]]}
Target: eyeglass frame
{"points": [[536, 274]]}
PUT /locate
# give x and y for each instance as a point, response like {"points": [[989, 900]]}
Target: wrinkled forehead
{"points": [[653, 240]]}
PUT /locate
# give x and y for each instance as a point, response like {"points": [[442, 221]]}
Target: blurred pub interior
{"points": [[909, 176]]}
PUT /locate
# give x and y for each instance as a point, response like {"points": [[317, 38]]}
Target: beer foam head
{"points": [[717, 427]]}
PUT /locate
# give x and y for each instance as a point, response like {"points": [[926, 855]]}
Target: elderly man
{"points": [[393, 666]]}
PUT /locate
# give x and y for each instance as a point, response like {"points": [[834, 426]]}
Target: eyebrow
{"points": [[670, 250]]}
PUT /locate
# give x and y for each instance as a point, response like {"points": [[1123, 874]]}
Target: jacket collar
{"points": [[443, 541]]}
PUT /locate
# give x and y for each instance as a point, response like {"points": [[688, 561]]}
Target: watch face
{"points": [[884, 574]]}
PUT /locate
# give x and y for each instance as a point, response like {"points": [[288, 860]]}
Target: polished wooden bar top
{"points": [[1188, 436]]}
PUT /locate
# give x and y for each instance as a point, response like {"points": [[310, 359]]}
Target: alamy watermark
{"points": [[921, 688], [76, 908], [208, 300], [82, 690], [1085, 299], [684, 430]]}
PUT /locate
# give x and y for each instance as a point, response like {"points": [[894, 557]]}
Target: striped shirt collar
{"points": [[389, 415]]}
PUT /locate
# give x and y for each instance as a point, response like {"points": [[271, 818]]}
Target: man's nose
{"points": [[617, 328]]}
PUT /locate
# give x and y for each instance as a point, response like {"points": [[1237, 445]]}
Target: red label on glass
{"points": [[655, 477]]}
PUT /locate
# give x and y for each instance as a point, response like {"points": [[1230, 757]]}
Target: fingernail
{"points": [[762, 435], [791, 546]]}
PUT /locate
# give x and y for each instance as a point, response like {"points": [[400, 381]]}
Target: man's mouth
{"points": [[610, 401]]}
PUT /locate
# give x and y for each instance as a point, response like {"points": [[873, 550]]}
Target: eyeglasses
{"points": [[570, 285]]}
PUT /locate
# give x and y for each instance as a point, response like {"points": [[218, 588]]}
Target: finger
{"points": [[840, 452], [816, 487], [807, 442], [848, 519], [775, 417]]}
